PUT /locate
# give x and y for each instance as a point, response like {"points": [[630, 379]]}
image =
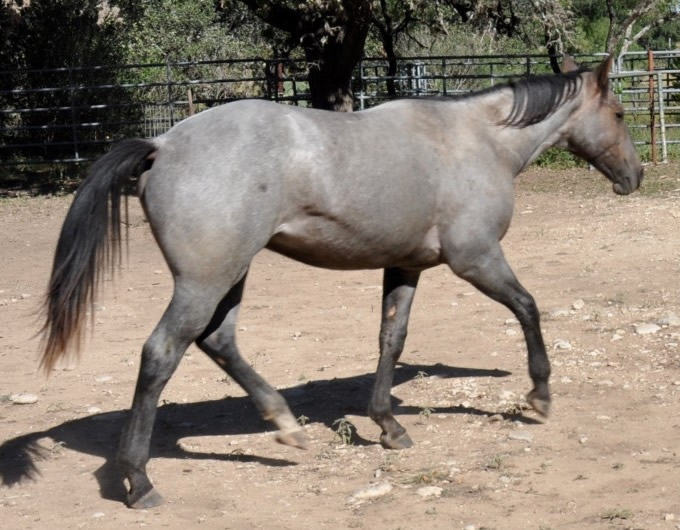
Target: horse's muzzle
{"points": [[630, 183]]}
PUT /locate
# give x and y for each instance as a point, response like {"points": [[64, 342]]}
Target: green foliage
{"points": [[193, 30], [559, 159]]}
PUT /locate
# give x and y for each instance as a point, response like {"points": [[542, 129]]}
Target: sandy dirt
{"points": [[604, 270]]}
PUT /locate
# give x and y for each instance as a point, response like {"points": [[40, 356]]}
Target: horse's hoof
{"points": [[402, 441], [150, 499], [539, 403], [293, 438]]}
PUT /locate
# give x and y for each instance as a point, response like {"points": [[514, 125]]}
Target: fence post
{"points": [[190, 98], [74, 127], [362, 76], [443, 76], [650, 69], [662, 118], [171, 103]]}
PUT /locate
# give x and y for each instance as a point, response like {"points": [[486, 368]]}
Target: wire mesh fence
{"points": [[69, 115]]}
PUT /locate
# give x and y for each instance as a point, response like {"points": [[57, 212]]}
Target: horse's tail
{"points": [[90, 239]]}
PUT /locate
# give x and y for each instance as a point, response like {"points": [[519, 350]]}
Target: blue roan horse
{"points": [[405, 186]]}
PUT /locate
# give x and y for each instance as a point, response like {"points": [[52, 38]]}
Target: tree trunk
{"points": [[332, 63]]}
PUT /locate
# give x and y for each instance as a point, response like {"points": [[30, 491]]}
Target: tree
{"points": [[332, 34]]}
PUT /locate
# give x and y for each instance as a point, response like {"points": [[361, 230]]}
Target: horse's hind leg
{"points": [[399, 286], [491, 274], [219, 342], [185, 318]]}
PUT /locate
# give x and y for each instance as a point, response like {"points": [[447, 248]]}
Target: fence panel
{"points": [[69, 115]]}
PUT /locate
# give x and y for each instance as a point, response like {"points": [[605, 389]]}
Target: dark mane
{"points": [[534, 97]]}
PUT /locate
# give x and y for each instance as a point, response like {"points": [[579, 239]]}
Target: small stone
{"points": [[429, 491], [511, 332], [98, 515], [524, 436], [507, 395], [669, 319], [23, 399], [469, 527], [103, 379], [646, 329], [559, 313], [93, 410], [566, 380], [371, 492], [578, 304], [582, 440], [495, 418], [560, 344], [669, 517], [511, 322]]}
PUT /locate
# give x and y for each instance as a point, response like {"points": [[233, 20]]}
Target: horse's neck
{"points": [[526, 144]]}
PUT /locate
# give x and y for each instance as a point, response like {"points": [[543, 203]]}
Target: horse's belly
{"points": [[342, 248]]}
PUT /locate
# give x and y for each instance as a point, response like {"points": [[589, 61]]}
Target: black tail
{"points": [[90, 238]]}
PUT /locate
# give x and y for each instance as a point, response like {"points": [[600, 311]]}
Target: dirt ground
{"points": [[604, 270]]}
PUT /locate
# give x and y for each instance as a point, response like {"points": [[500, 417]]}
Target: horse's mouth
{"points": [[622, 189]]}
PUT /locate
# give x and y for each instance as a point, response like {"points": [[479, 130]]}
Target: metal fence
{"points": [[69, 115]]}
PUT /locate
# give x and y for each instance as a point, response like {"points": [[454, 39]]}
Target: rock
{"points": [[669, 517], [103, 379], [578, 304], [93, 410], [670, 319], [23, 399], [511, 332], [615, 337], [560, 344], [524, 436], [98, 515], [469, 527], [507, 395], [646, 329], [429, 491], [559, 313], [371, 492]]}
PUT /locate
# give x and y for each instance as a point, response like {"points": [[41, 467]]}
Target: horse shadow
{"points": [[322, 401]]}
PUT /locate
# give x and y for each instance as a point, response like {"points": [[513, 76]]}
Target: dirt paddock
{"points": [[605, 273]]}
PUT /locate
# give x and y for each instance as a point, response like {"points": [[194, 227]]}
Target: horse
{"points": [[405, 186]]}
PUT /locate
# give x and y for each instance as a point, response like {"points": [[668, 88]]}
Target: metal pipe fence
{"points": [[69, 115]]}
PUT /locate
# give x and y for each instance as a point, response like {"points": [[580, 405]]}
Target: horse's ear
{"points": [[602, 73], [568, 64]]}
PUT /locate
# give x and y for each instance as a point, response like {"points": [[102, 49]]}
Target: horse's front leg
{"points": [[399, 286], [487, 269]]}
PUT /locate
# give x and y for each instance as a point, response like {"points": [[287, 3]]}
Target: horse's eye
{"points": [[619, 115]]}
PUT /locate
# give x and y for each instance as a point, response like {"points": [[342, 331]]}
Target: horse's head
{"points": [[598, 133]]}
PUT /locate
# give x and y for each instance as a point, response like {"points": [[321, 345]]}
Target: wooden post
{"points": [[190, 98], [650, 69]]}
